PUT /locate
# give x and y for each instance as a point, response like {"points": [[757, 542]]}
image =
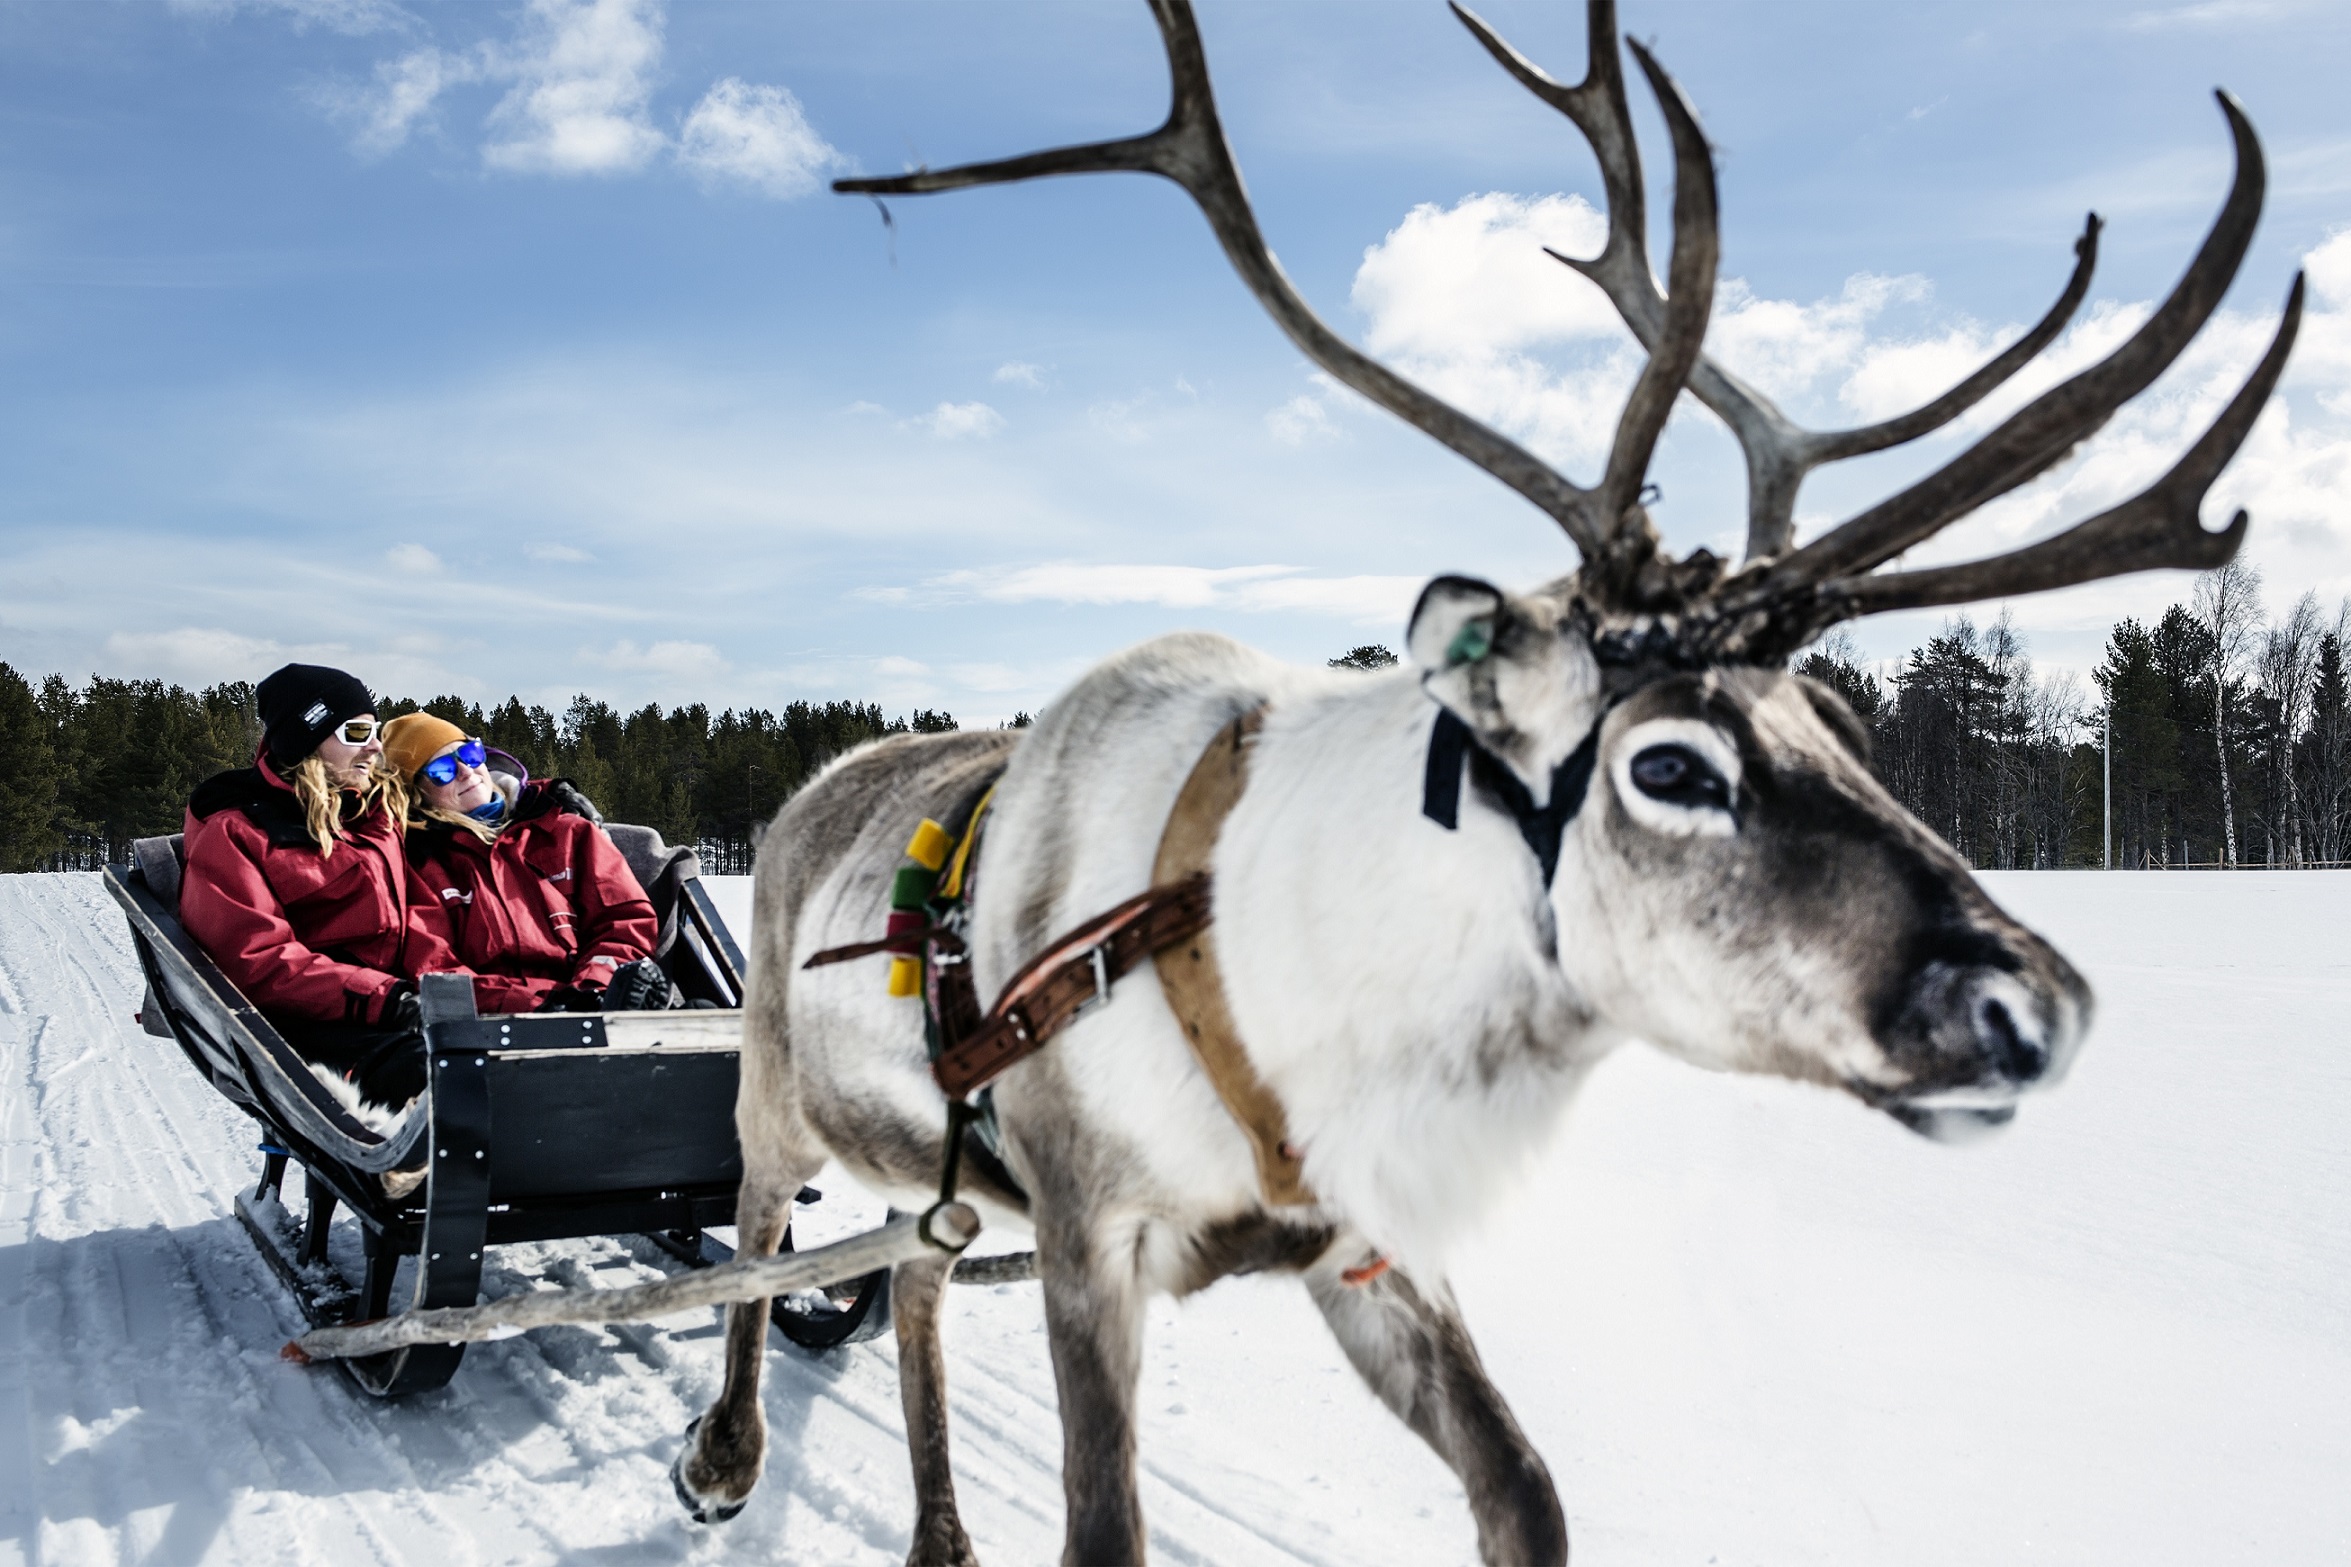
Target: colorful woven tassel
{"points": [[910, 892]]}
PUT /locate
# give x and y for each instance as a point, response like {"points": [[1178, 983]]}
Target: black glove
{"points": [[402, 1010], [639, 987], [572, 998], [568, 798]]}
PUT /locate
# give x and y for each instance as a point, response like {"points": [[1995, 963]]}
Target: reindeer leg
{"points": [[1094, 1320], [726, 1446], [1411, 1346], [916, 1291]]}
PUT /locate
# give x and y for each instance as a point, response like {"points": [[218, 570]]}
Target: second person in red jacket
{"points": [[539, 903]]}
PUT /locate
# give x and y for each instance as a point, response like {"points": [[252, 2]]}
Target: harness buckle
{"points": [[1099, 959]]}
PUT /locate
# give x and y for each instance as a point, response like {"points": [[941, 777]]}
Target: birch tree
{"points": [[2289, 657], [2228, 605]]}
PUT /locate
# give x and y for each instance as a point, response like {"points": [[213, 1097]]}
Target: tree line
{"points": [[84, 771], [2230, 736], [2231, 745]]}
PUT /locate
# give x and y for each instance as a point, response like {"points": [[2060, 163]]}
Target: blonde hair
{"points": [[322, 802], [421, 809], [486, 831]]}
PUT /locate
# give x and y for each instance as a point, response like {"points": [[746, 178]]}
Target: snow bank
{"points": [[1745, 1322]]}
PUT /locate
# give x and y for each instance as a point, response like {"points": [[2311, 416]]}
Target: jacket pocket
{"points": [[336, 902], [558, 888]]}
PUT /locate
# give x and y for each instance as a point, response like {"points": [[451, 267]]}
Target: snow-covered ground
{"points": [[1746, 1323]]}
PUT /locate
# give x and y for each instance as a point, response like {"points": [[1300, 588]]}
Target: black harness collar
{"points": [[1451, 742]]}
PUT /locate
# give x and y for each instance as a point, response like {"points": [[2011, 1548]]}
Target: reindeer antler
{"points": [[1189, 148], [1779, 452], [1782, 597]]}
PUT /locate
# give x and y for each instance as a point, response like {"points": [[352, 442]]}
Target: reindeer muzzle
{"points": [[1977, 1036]]}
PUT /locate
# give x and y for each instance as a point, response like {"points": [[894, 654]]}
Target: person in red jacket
{"points": [[540, 905], [298, 887]]}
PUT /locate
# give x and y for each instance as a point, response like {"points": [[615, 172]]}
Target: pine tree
{"points": [[2328, 746], [28, 778]]}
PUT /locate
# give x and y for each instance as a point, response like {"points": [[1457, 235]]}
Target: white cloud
{"points": [[1019, 372], [1368, 599], [1178, 587], [956, 421], [558, 554], [756, 135], [579, 102], [579, 78], [681, 661], [351, 17], [1136, 420], [1303, 418], [1365, 600], [993, 678], [412, 557], [1459, 298], [1462, 299], [196, 653], [1784, 347], [2209, 13], [1471, 281], [404, 93]]}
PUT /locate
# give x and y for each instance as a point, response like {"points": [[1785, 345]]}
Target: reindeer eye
{"points": [[1677, 775]]}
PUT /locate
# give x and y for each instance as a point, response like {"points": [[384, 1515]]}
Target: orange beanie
{"points": [[414, 739]]}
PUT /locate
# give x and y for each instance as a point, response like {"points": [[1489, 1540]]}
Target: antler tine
{"points": [[1779, 452], [2044, 430], [1190, 149], [2158, 527], [1600, 109], [1697, 247], [1832, 446]]}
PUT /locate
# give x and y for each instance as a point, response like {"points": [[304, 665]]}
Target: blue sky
{"points": [[491, 348]]}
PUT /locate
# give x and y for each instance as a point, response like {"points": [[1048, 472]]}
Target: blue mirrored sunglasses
{"points": [[443, 769]]}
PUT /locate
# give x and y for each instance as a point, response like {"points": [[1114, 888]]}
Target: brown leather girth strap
{"points": [[1188, 970], [1061, 981], [1169, 924]]}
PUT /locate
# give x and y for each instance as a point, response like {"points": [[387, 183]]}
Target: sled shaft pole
{"points": [[947, 1227]]}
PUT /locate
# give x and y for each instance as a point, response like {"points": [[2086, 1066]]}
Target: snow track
{"points": [[1768, 1328]]}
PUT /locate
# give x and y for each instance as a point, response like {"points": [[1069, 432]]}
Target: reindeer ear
{"points": [[1453, 624], [1501, 666]]}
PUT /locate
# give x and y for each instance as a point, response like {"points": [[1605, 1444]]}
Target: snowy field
{"points": [[1745, 1322]]}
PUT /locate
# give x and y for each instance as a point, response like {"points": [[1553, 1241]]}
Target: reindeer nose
{"points": [[2014, 1045]]}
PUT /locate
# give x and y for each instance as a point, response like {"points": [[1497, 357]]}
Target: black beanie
{"points": [[301, 705]]}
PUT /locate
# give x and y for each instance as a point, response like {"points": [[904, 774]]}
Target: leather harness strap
{"points": [[1072, 974], [1168, 923], [1188, 970]]}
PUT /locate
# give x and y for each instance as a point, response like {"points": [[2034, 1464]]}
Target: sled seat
{"points": [[540, 1126]]}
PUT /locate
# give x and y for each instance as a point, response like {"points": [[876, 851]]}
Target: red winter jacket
{"points": [[303, 936], [547, 903]]}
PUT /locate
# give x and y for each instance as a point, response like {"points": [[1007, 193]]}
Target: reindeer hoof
{"points": [[697, 1508]]}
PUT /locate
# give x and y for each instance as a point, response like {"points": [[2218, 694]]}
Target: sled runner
{"points": [[540, 1126]]}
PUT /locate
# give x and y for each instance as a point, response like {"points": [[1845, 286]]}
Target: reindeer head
{"points": [[1756, 899]]}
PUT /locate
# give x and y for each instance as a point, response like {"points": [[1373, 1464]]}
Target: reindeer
{"points": [[1594, 811]]}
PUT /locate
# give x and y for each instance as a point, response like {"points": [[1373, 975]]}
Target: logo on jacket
{"points": [[561, 875], [453, 895]]}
